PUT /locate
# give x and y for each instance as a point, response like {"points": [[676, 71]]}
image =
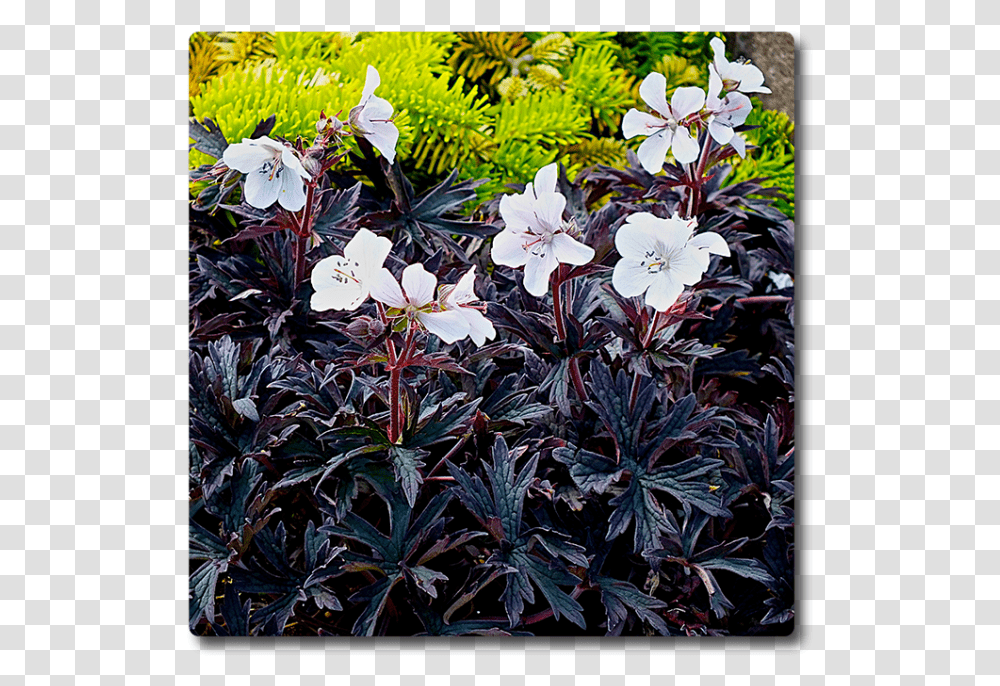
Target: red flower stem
{"points": [[651, 331], [697, 179], [302, 236], [393, 381], [574, 373], [395, 412], [557, 305]]}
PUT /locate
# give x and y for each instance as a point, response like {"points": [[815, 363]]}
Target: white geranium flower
{"points": [[343, 283], [735, 76], [665, 127], [536, 237], [659, 257], [725, 114], [372, 118], [273, 173], [456, 298], [416, 300]]}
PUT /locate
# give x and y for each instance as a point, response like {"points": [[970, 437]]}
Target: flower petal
{"points": [[336, 285], [636, 123], [384, 136], [653, 151], [571, 251], [630, 278], [685, 147], [293, 191], [449, 326], [508, 249], [546, 179], [518, 212], [262, 187], [376, 110], [464, 291], [372, 81], [246, 157], [714, 87], [739, 145], [537, 271], [663, 292], [688, 266], [292, 163], [720, 131], [418, 285], [668, 235], [735, 108], [367, 252], [686, 101], [385, 289], [719, 50], [751, 79], [712, 242], [480, 328], [548, 211], [653, 91], [637, 237]]}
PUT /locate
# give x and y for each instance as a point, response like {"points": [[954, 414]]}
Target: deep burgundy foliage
{"points": [[613, 481]]}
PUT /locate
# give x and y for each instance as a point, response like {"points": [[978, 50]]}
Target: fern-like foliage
{"points": [[601, 87], [203, 61], [486, 57]]}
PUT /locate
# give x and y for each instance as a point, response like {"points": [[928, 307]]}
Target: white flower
{"points": [[416, 300], [659, 257], [664, 128], [273, 173], [455, 298], [372, 118], [343, 283], [726, 113], [535, 236], [735, 76]]}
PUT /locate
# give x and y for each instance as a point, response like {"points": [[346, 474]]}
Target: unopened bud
{"points": [[365, 327], [311, 165]]}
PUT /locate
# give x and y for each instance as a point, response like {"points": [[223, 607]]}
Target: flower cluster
{"points": [[668, 126], [345, 282], [535, 236], [274, 171]]}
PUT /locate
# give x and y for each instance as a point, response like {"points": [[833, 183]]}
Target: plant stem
{"points": [[557, 305], [651, 331], [636, 380], [394, 408], [577, 376], [302, 237], [697, 179], [393, 384]]}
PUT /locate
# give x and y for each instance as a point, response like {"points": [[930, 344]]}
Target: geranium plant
{"points": [[567, 409]]}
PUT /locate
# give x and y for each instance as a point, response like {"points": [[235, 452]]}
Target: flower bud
{"points": [[311, 165], [365, 327]]}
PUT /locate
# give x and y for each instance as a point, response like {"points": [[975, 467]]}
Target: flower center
{"points": [[656, 261], [539, 244], [345, 272], [273, 167]]}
